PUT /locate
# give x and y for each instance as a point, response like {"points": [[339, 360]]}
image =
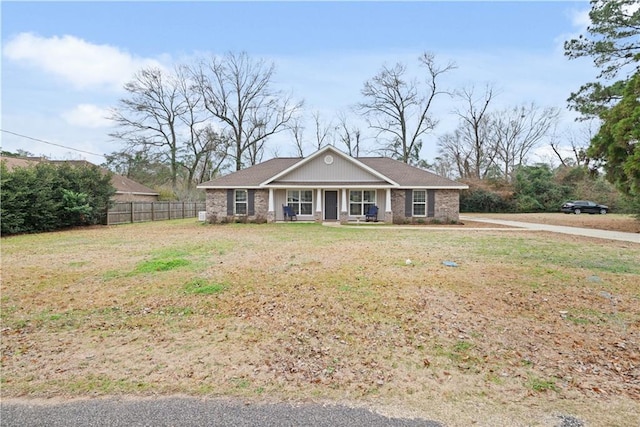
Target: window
{"points": [[301, 201], [240, 207], [419, 202], [360, 200]]}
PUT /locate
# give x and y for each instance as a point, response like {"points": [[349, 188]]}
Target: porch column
{"points": [[318, 217], [388, 214], [344, 208], [271, 213]]}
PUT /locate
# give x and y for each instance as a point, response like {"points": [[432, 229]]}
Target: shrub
{"points": [[47, 197], [484, 200]]}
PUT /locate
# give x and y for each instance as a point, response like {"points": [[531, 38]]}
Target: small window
{"points": [[240, 207], [301, 201], [419, 202], [360, 201]]}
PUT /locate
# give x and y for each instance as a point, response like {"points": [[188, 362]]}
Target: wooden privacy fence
{"points": [[127, 212]]}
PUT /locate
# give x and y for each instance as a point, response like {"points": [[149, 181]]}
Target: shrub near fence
{"points": [[127, 212]]}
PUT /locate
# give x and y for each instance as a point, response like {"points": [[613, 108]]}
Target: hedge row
{"points": [[52, 196]]}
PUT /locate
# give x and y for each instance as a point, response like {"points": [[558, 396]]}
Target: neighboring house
{"points": [[127, 190], [330, 185]]}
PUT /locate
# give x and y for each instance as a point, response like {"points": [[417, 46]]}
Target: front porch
{"points": [[343, 205]]}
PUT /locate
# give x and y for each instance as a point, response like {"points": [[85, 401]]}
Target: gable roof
{"points": [[385, 172], [329, 149]]}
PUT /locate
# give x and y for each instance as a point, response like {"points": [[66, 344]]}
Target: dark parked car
{"points": [[580, 206]]}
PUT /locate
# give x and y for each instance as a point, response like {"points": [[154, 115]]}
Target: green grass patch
{"points": [[542, 385], [552, 259], [203, 287], [153, 266]]}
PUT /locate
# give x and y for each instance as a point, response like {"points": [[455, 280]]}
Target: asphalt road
{"points": [[184, 411]]}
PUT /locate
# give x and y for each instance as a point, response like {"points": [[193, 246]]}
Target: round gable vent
{"points": [[328, 159]]}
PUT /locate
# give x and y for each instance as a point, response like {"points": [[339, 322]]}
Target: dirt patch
{"points": [[613, 222], [527, 326]]}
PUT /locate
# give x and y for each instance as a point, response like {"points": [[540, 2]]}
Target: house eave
{"points": [[229, 187], [434, 187], [135, 193]]}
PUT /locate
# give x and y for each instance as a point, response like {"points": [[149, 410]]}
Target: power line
{"points": [[50, 143]]}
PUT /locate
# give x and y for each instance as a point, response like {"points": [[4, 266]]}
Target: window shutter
{"points": [[251, 210], [230, 202], [431, 203], [408, 203]]}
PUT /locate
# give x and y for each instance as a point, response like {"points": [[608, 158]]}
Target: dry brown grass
{"points": [[614, 222], [528, 325]]}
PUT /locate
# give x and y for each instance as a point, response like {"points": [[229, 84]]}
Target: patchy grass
{"points": [[160, 265], [203, 287], [542, 385], [528, 324]]}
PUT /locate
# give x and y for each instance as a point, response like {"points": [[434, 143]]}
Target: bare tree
{"points": [[470, 147], [444, 166], [297, 130], [203, 146], [214, 156], [516, 131], [474, 123], [160, 115], [578, 141], [350, 136], [455, 149], [237, 90], [323, 130], [398, 106]]}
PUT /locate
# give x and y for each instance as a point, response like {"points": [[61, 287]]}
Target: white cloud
{"points": [[79, 62], [87, 115], [580, 19]]}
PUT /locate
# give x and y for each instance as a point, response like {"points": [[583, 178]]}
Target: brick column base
{"points": [[344, 217]]}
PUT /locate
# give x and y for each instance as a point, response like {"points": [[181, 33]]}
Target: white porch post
{"points": [[388, 211], [344, 208], [271, 212], [271, 201], [319, 201], [319, 205]]}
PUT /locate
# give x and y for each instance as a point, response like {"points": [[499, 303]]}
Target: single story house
{"points": [[330, 185]]}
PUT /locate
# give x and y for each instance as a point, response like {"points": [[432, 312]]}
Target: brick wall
{"points": [[217, 207], [447, 207]]}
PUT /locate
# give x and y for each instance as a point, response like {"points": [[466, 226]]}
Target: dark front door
{"points": [[330, 205]]}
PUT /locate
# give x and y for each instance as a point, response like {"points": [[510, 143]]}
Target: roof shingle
{"points": [[401, 173]]}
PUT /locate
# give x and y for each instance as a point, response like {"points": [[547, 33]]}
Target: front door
{"points": [[330, 205]]}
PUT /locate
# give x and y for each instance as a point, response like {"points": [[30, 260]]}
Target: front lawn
{"points": [[526, 326]]}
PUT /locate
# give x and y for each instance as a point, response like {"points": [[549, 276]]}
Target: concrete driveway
{"points": [[576, 231]]}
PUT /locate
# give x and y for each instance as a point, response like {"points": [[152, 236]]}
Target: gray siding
{"points": [[340, 170]]}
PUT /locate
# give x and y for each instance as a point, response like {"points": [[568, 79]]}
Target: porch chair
{"points": [[372, 214], [289, 213]]}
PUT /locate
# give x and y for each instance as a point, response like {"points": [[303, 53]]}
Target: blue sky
{"points": [[64, 63]]}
